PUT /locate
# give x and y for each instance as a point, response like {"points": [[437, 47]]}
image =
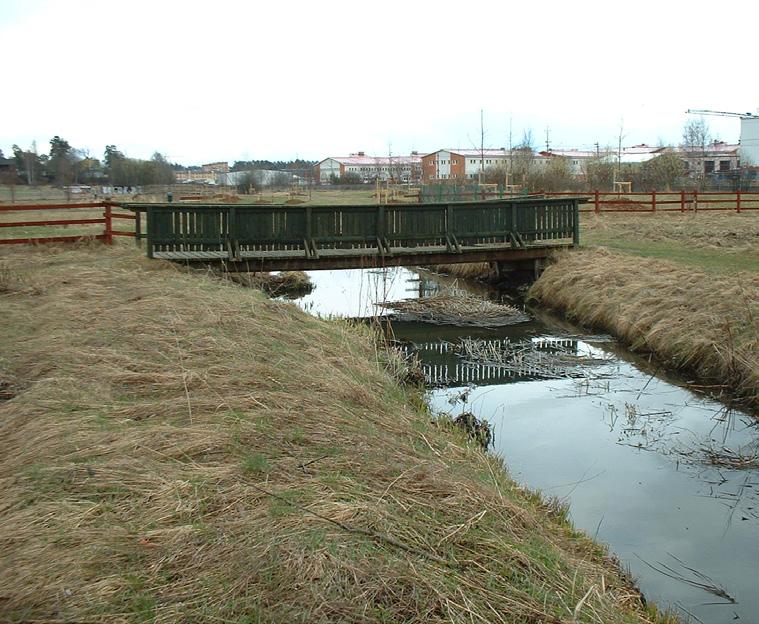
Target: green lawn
{"points": [[711, 260]]}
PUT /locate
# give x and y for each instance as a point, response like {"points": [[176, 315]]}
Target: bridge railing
{"points": [[237, 231]]}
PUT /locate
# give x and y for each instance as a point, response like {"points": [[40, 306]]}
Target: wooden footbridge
{"points": [[303, 237]]}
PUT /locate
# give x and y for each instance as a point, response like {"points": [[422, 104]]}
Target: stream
{"points": [[646, 465]]}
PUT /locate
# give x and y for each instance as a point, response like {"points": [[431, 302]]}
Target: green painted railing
{"points": [[237, 230]]}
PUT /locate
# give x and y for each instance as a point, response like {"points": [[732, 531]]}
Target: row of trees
{"points": [[660, 173], [64, 165], [297, 165]]}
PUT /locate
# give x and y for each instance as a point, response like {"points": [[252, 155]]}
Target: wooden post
{"points": [[138, 228], [653, 201], [738, 200], [576, 224], [150, 217], [108, 240], [682, 201], [597, 201], [695, 201]]}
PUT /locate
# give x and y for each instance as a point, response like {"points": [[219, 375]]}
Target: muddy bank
{"points": [[178, 448], [703, 323]]}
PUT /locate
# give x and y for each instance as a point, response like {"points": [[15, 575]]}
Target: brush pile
{"points": [[456, 307]]}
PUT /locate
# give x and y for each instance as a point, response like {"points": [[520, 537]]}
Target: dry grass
{"points": [[467, 270], [179, 449], [692, 320], [718, 242], [287, 284], [728, 232]]}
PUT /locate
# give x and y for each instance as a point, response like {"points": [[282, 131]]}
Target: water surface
{"points": [[628, 447]]}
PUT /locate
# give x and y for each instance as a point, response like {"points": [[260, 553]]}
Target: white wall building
{"points": [[749, 146], [368, 168]]}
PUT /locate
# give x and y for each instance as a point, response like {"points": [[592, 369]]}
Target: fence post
{"points": [[738, 201], [682, 201], [150, 222], [576, 224], [108, 240], [653, 201], [597, 201], [695, 201], [138, 228]]}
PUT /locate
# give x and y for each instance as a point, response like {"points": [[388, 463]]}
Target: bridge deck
{"points": [[290, 237], [294, 260]]}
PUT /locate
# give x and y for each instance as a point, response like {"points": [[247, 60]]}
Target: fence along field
{"points": [[103, 220], [66, 223]]}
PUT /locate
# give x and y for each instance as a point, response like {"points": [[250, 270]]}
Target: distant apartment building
{"points": [[369, 168], [468, 164], [206, 174], [217, 167], [460, 164]]}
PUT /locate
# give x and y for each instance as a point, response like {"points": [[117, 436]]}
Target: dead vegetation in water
{"points": [[467, 270], [288, 284], [185, 450], [551, 360], [454, 306], [690, 319]]}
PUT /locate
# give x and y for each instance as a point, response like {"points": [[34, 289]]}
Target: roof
{"points": [[375, 160], [568, 153], [713, 148], [473, 152]]}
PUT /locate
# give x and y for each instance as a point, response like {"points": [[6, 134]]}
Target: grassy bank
{"points": [[716, 242], [691, 319], [177, 448]]}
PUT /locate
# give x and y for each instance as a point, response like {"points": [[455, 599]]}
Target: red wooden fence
{"points": [[657, 201], [110, 212]]}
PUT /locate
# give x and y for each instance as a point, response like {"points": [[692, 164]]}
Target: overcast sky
{"points": [[220, 80]]}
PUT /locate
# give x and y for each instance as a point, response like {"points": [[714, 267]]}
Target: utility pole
{"points": [[511, 149], [548, 141], [482, 145], [619, 146]]}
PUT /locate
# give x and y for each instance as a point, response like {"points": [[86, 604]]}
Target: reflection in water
{"points": [[662, 475]]}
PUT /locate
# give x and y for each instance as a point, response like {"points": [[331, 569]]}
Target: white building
{"points": [[368, 168], [749, 147]]}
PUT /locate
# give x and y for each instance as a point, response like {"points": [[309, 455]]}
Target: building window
{"points": [[724, 165], [708, 166]]}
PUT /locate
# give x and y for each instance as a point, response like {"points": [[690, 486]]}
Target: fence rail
{"points": [[110, 211], [238, 232], [659, 201]]}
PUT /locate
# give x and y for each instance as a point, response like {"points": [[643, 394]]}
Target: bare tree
{"points": [[696, 137]]}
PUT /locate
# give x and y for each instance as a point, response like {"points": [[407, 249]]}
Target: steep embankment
{"points": [[179, 448], [692, 319]]}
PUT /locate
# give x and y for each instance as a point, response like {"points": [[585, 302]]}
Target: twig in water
{"points": [[706, 583]]}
